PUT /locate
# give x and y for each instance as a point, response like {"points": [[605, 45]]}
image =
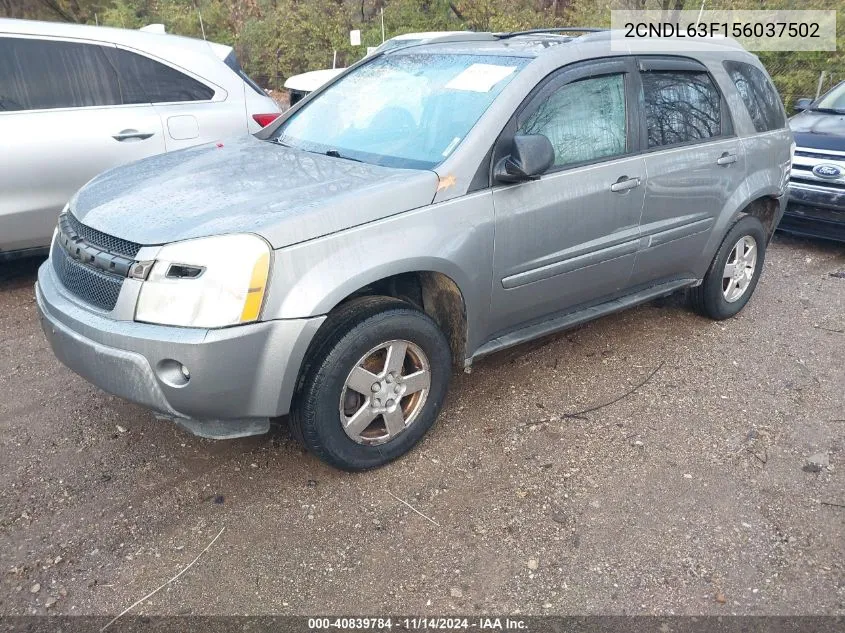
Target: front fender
{"points": [[454, 238]]}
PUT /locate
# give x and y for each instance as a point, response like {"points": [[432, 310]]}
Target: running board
{"points": [[572, 319]]}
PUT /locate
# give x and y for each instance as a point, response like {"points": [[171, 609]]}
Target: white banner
{"points": [[655, 30]]}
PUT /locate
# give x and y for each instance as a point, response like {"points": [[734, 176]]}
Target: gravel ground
{"points": [[711, 489]]}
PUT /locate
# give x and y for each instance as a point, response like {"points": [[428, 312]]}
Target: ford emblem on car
{"points": [[827, 171]]}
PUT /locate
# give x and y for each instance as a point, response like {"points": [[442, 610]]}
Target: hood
{"points": [[246, 185], [819, 130]]}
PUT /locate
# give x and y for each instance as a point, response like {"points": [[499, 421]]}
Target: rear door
{"points": [[62, 121], [192, 110], [569, 238], [694, 163]]}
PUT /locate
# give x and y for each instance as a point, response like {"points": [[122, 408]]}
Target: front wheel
{"points": [[372, 384], [734, 272]]}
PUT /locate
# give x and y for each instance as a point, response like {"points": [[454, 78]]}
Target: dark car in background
{"points": [[817, 184]]}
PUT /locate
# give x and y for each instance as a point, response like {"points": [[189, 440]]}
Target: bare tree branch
{"points": [[56, 8], [456, 12]]}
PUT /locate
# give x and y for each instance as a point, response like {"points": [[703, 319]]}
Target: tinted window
{"points": [[41, 74], [759, 96], [680, 107], [584, 120], [146, 81]]}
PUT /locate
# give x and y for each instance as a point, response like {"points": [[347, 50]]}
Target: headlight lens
{"points": [[208, 282]]}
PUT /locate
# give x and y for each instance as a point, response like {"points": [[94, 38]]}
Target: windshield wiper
{"points": [[279, 141], [829, 110], [336, 154]]}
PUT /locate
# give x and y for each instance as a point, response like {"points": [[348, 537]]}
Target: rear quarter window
{"points": [[758, 94], [144, 80]]}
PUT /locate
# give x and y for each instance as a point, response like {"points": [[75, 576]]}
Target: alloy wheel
{"points": [[385, 392], [739, 269]]}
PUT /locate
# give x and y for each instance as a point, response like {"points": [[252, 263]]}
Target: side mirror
{"points": [[531, 155], [802, 104]]}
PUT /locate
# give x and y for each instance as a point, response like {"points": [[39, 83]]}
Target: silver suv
{"points": [[76, 100], [432, 205]]}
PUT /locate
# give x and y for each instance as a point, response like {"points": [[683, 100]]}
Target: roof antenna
{"points": [[202, 26]]}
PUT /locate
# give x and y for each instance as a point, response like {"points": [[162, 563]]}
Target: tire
{"points": [[720, 297], [325, 405]]}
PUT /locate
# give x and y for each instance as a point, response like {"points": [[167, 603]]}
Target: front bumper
{"points": [[239, 376], [815, 211]]}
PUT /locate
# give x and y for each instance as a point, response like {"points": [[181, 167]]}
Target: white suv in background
{"points": [[76, 100]]}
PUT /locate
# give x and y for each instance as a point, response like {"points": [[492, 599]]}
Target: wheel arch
{"points": [[432, 291], [765, 201]]}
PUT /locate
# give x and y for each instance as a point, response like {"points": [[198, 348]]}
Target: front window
{"points": [[585, 120], [833, 101], [403, 110]]}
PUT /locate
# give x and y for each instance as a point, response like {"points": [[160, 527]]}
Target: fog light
{"points": [[173, 373]]}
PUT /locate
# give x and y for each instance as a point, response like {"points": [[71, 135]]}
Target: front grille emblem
{"points": [[827, 171]]}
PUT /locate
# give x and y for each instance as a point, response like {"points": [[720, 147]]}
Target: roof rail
{"points": [[460, 36], [457, 36], [562, 29]]}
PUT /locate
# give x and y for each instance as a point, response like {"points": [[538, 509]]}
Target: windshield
{"points": [[833, 100], [401, 110]]}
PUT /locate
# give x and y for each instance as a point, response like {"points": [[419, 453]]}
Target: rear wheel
{"points": [[734, 272], [372, 384]]}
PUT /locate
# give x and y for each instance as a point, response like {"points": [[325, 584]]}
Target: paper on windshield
{"points": [[451, 146], [479, 77]]}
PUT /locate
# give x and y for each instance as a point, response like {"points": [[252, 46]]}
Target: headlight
{"points": [[207, 282]]}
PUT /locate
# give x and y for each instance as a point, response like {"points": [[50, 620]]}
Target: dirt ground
{"points": [[716, 487]]}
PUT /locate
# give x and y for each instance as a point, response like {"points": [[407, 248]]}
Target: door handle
{"points": [[624, 184], [126, 135], [726, 159]]}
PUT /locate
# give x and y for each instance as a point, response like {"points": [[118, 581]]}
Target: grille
{"points": [[819, 182], [103, 240], [821, 155], [92, 286]]}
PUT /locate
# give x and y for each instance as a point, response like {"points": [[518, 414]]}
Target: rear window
{"points": [[680, 107], [45, 74], [759, 96], [232, 62], [144, 80]]}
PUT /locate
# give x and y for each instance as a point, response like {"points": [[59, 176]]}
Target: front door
{"points": [[569, 239]]}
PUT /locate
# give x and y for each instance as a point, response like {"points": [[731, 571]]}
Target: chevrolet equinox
{"points": [[429, 206]]}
